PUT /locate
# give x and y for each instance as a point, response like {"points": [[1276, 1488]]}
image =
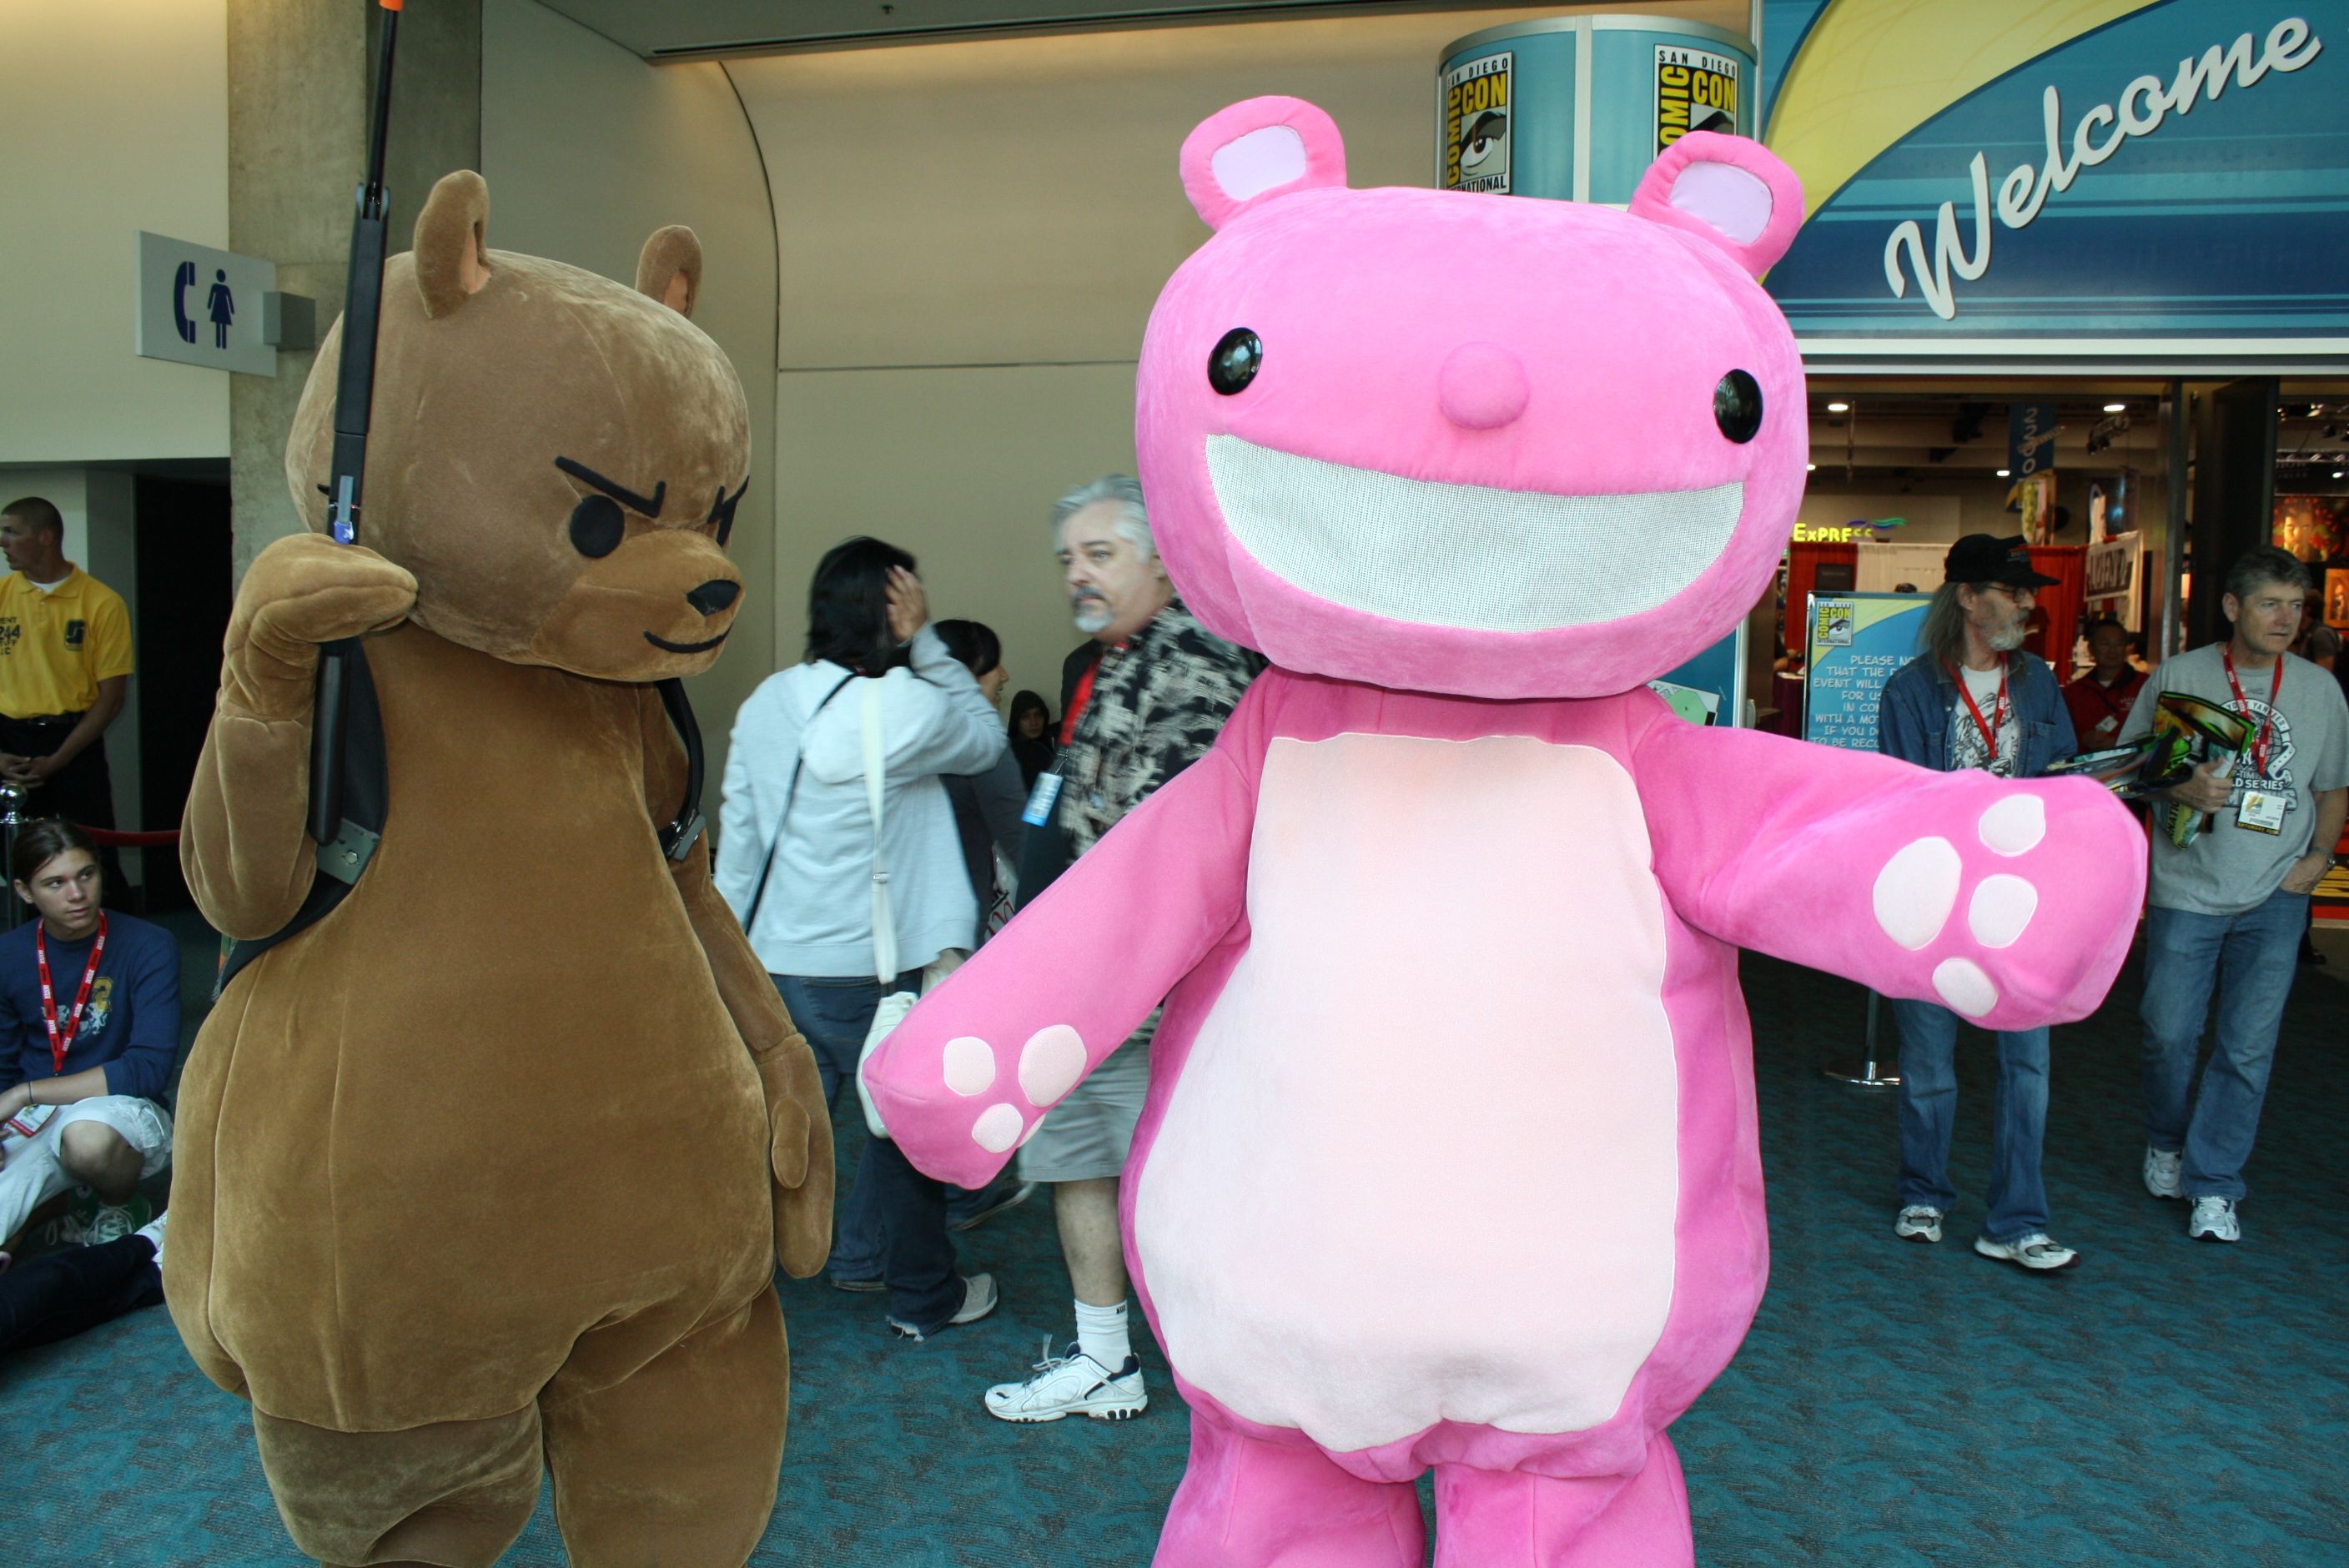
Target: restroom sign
{"points": [[202, 306], [1477, 120], [1696, 89]]}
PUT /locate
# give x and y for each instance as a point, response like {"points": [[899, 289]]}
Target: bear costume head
{"points": [[556, 458], [1449, 443]]}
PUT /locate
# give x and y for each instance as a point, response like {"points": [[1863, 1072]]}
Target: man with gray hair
{"points": [[1151, 707], [2225, 913]]}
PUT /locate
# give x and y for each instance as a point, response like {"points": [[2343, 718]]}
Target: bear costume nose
{"points": [[713, 596], [1482, 386]]}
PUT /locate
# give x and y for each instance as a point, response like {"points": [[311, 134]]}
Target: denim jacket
{"points": [[1912, 721]]}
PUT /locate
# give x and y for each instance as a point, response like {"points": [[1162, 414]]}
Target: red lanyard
{"points": [[1998, 710], [60, 1043], [2275, 689], [1084, 694]]}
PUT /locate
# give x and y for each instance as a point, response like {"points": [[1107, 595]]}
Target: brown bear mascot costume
{"points": [[487, 1171]]}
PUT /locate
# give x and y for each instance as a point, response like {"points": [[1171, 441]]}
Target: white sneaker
{"points": [[979, 1299], [2161, 1171], [1072, 1385], [2213, 1220], [1919, 1223], [153, 1231], [2037, 1250]]}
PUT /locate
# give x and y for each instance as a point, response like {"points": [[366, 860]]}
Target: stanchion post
{"points": [[1869, 1076]]}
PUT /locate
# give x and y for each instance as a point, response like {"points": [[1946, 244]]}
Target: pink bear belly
{"points": [[1422, 1164]]}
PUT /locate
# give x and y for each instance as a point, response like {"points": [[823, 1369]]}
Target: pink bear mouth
{"points": [[1470, 557]]}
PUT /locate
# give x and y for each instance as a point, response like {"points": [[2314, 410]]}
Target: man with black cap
{"points": [[1973, 698]]}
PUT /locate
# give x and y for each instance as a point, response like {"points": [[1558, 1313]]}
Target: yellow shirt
{"points": [[57, 645]]}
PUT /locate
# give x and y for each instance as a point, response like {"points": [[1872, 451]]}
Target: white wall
{"points": [[971, 236], [587, 151], [116, 119]]}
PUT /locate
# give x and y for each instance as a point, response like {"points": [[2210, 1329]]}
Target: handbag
{"points": [[894, 1004]]}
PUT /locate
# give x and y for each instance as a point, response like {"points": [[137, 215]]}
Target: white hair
{"points": [[1133, 518]]}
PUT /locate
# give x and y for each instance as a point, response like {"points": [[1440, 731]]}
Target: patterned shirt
{"points": [[1158, 703]]}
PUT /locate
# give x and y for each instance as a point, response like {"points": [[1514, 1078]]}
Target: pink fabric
{"points": [[1398, 975]]}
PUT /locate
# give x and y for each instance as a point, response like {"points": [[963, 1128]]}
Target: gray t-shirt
{"points": [[2230, 868]]}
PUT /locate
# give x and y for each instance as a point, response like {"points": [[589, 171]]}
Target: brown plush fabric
{"points": [[669, 270], [518, 1133]]}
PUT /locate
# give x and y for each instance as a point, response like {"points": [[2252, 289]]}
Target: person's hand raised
{"points": [[910, 605]]}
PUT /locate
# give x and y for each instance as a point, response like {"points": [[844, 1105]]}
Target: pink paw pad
{"points": [[998, 1127], [970, 1064], [1921, 885], [1051, 1063]]}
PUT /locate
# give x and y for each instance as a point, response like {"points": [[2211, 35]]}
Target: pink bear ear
{"points": [[1257, 150], [1727, 190]]}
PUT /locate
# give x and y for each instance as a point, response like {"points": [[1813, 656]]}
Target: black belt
{"points": [[51, 720]]}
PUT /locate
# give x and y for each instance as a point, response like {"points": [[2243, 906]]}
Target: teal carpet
{"points": [[2166, 1403]]}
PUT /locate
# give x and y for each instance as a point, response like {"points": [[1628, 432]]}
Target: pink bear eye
{"points": [[1238, 355], [1737, 407]]}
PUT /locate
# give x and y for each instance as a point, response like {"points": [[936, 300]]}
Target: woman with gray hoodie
{"points": [[795, 860]]}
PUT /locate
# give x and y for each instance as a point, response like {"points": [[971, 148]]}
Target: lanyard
{"points": [[2275, 689], [1997, 720], [60, 1043], [1084, 694]]}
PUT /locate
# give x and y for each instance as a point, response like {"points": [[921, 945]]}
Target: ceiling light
{"points": [[1838, 408], [2115, 407], [1814, 468], [2003, 473], [2337, 473]]}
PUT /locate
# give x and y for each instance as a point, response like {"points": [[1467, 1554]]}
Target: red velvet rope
{"points": [[113, 839]]}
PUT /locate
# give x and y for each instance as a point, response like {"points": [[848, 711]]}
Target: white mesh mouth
{"points": [[1466, 556]]}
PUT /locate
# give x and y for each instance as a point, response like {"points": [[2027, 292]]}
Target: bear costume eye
{"points": [[1737, 407], [598, 526], [721, 511], [1238, 355]]}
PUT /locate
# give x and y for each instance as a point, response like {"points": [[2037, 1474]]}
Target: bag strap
{"points": [[750, 919], [885, 923]]}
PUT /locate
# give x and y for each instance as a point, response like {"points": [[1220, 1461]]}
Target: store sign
{"points": [[2112, 566], [202, 306], [2154, 172], [1856, 531]]}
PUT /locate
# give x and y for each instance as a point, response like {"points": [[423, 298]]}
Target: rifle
{"points": [[353, 398]]}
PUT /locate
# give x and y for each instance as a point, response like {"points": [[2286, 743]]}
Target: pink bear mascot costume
{"points": [[1450, 1155]]}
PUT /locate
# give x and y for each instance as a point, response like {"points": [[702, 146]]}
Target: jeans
{"points": [[893, 1224], [2249, 958], [1928, 1107]]}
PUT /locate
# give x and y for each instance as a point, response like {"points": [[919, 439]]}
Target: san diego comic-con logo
{"points": [[75, 632], [1476, 125], [11, 629]]}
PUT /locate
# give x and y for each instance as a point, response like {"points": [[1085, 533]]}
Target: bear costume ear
{"points": [[1726, 191], [451, 261], [669, 270], [1257, 150]]}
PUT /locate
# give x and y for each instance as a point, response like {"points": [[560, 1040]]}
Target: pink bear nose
{"points": [[1482, 386]]}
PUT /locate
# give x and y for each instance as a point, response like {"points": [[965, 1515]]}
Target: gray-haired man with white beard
{"points": [[1152, 705]]}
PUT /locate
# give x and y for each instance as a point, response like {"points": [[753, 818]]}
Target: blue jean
{"points": [[1929, 1109], [893, 1224], [2250, 959]]}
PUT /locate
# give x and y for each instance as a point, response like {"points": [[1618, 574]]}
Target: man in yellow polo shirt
{"points": [[65, 668]]}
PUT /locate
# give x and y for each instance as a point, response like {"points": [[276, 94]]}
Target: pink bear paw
{"points": [[1051, 1063], [2060, 862]]}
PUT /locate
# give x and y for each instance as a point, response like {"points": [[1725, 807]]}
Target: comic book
{"points": [[2188, 732]]}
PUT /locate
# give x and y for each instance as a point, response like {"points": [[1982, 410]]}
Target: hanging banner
{"points": [[1476, 113], [1696, 89], [2166, 176]]}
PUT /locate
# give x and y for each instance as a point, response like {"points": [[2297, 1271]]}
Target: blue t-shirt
{"points": [[132, 1027]]}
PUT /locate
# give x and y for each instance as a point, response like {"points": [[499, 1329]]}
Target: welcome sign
{"points": [[2068, 175]]}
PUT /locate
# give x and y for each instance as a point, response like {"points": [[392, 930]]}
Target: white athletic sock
{"points": [[1101, 1333]]}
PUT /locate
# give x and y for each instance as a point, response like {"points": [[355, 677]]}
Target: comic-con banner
{"points": [[1857, 642], [1696, 89], [1476, 115]]}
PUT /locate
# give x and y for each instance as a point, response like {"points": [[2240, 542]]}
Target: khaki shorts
{"points": [[1087, 1136]]}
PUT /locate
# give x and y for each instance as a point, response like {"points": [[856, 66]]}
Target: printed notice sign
{"points": [[1696, 89], [1476, 125], [1857, 641]]}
